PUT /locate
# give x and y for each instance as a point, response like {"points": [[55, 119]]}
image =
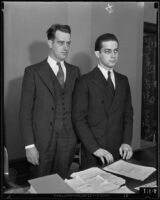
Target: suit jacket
{"points": [[38, 103], [98, 124]]}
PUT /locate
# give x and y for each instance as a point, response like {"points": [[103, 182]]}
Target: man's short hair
{"points": [[57, 27], [104, 38]]}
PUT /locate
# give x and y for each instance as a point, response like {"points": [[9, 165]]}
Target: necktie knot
{"points": [[60, 74]]}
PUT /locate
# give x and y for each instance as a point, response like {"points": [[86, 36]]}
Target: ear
{"points": [[50, 43], [97, 54]]}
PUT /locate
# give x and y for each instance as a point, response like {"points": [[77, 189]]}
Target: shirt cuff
{"points": [[29, 146]]}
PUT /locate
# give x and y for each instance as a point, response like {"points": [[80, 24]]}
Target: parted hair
{"points": [[57, 27]]}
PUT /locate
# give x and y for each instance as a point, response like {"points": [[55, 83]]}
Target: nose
{"points": [[113, 54], [66, 47]]}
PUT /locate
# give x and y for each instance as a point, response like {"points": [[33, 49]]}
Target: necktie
{"points": [[110, 84], [60, 74]]}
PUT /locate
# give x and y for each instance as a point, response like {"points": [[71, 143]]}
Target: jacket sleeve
{"points": [[26, 106], [79, 116], [128, 117]]}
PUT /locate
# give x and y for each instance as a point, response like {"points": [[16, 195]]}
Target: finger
{"points": [[108, 158], [129, 155], [36, 160], [124, 153], [31, 160], [102, 159], [120, 151], [112, 159]]}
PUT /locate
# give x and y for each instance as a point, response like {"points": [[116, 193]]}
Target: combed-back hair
{"points": [[57, 27], [104, 38]]}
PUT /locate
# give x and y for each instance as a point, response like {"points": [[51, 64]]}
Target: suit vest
{"points": [[63, 104]]}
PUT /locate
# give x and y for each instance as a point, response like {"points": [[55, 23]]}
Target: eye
{"points": [[107, 51], [68, 43], [116, 51], [60, 43]]}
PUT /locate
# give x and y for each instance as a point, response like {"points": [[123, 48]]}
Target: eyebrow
{"points": [[111, 49]]}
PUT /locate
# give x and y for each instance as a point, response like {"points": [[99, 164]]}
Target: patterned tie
{"points": [[60, 75], [110, 85]]}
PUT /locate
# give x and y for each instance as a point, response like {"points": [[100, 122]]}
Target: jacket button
{"points": [[52, 108], [51, 123], [102, 101]]}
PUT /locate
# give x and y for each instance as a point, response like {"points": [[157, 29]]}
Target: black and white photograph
{"points": [[80, 103]]}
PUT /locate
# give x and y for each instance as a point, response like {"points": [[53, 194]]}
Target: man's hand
{"points": [[32, 155], [104, 155], [125, 151]]}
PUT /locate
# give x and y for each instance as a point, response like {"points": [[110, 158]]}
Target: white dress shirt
{"points": [[55, 68], [105, 74]]}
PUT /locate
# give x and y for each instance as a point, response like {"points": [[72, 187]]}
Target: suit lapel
{"points": [[69, 77], [100, 81], [47, 76], [117, 95]]}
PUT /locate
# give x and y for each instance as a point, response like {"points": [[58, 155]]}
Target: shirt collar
{"points": [[53, 62], [105, 69]]}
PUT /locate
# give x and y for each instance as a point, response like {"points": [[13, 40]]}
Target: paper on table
{"points": [[88, 173], [94, 171], [94, 180], [130, 170], [91, 185]]}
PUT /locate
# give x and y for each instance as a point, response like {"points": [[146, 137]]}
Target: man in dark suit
{"points": [[45, 109], [102, 110]]}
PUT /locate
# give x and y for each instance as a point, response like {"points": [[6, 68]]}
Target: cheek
{"points": [[105, 59]]}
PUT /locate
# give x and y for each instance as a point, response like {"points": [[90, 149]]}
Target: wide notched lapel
{"points": [[69, 77], [47, 76], [118, 94], [98, 79]]}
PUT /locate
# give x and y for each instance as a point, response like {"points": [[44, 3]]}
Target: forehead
{"points": [[109, 44], [59, 35]]}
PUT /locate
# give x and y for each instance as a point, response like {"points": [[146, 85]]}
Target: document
{"points": [[49, 184], [130, 170], [91, 185], [94, 180]]}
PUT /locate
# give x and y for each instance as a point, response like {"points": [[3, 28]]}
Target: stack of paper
{"points": [[94, 180], [49, 184], [130, 170]]}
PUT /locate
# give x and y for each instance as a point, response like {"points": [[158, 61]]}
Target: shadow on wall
{"points": [[83, 61], [38, 51], [12, 131]]}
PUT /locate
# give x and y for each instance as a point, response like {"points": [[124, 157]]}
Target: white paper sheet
{"points": [[91, 185], [94, 180], [130, 170]]}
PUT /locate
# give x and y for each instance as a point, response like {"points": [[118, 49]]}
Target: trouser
{"points": [[59, 155]]}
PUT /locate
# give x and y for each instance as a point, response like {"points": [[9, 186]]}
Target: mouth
{"points": [[112, 61]]}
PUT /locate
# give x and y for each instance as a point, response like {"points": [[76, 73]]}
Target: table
{"points": [[146, 157]]}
